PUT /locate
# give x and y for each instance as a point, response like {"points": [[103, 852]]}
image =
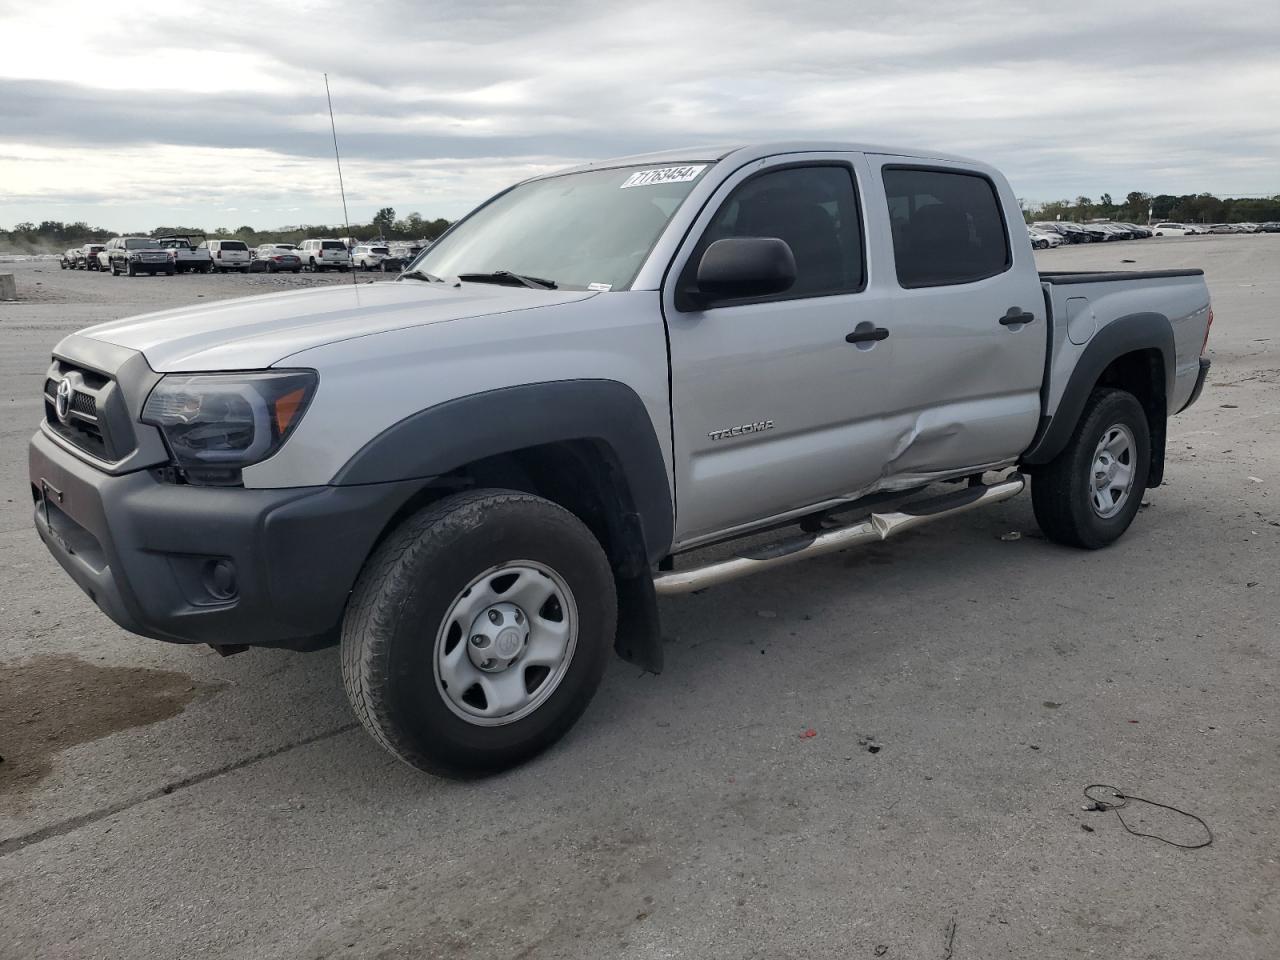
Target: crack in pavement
{"points": [[63, 827]]}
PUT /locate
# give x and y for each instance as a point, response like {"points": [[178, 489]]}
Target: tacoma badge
{"points": [[758, 427]]}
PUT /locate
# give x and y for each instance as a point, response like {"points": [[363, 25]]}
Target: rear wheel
{"points": [[478, 632], [1090, 492]]}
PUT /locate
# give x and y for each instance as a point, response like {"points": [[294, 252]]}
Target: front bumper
{"points": [[148, 553]]}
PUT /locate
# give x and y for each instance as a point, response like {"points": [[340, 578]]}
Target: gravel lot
{"points": [[160, 801]]}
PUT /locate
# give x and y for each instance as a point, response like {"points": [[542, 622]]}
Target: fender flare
{"points": [[1136, 331], [445, 437]]}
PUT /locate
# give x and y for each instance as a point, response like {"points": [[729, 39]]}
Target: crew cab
{"points": [[480, 477], [188, 254]]}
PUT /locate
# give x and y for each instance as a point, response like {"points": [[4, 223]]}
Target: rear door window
{"points": [[234, 245], [947, 227]]}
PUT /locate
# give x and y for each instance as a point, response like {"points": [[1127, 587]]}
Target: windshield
{"points": [[581, 230], [141, 244]]}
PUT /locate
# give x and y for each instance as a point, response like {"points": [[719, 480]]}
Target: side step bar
{"points": [[877, 527]]}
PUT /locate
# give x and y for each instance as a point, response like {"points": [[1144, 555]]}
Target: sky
{"points": [[214, 114]]}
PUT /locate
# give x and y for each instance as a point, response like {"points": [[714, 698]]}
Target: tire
{"points": [[400, 622], [1062, 491], [297, 270], [62, 264], [129, 270]]}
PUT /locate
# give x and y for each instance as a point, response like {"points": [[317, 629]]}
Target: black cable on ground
{"points": [[1116, 800]]}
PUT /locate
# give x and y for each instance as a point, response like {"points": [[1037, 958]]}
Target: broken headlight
{"points": [[215, 424]]}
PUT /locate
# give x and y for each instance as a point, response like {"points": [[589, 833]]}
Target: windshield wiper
{"points": [[421, 275], [506, 276]]}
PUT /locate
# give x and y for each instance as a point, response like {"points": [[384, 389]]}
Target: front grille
{"points": [[86, 424]]}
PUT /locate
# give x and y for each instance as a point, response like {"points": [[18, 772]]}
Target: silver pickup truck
{"points": [[480, 477]]}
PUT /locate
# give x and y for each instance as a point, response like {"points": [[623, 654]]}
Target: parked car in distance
{"points": [[188, 255], [1223, 228], [275, 258], [467, 476], [1171, 229], [227, 255], [401, 256], [87, 259], [325, 254], [104, 260], [1271, 226], [1044, 239], [130, 256], [68, 259], [369, 256]]}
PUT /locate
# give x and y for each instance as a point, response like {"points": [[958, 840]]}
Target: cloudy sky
{"points": [[214, 114]]}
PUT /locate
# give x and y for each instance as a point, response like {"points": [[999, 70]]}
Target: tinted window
{"points": [[233, 245], [813, 209], [947, 227], [138, 243], [332, 245]]}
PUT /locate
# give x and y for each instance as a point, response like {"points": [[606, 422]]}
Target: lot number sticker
{"points": [[647, 178]]}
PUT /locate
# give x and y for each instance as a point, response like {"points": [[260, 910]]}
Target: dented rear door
{"points": [[967, 317]]}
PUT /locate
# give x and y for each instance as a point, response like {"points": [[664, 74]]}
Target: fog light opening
{"points": [[220, 579]]}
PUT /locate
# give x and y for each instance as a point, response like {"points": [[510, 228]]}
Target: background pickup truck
{"points": [[188, 255], [479, 477]]}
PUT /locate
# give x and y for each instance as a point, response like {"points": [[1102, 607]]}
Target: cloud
{"points": [[436, 105]]}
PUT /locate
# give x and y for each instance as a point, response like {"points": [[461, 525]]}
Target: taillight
{"points": [[219, 254], [1209, 326]]}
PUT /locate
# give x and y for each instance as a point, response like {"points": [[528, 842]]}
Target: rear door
{"points": [[773, 409], [967, 316]]}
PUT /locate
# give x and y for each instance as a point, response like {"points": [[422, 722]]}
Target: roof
{"points": [[751, 151]]}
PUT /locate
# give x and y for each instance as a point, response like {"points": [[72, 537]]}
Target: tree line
{"points": [[50, 236], [1190, 207]]}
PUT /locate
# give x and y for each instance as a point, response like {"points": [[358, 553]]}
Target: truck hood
{"points": [[256, 332]]}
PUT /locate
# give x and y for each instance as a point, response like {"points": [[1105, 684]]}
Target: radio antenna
{"points": [[346, 220]]}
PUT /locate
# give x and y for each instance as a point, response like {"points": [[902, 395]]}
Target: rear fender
{"points": [[1128, 334]]}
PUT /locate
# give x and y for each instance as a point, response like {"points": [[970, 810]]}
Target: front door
{"points": [[774, 408]]}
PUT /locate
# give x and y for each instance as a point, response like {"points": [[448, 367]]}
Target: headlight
{"points": [[215, 424]]}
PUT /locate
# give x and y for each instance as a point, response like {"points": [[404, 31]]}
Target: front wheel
{"points": [[478, 632], [1090, 492]]}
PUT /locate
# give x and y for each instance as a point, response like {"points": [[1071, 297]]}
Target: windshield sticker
{"points": [[647, 178], [600, 287]]}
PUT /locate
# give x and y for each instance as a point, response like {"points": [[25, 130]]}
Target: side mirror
{"points": [[739, 267]]}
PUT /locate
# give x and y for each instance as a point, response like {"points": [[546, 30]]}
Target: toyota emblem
{"points": [[62, 402]]}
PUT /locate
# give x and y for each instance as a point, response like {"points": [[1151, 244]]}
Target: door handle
{"points": [[1016, 315], [866, 336]]}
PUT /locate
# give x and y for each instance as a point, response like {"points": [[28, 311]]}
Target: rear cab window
{"points": [[947, 225]]}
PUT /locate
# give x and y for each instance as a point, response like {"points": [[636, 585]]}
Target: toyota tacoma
{"points": [[479, 478]]}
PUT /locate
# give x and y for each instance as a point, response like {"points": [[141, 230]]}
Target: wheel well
{"points": [[584, 476], [1141, 373]]}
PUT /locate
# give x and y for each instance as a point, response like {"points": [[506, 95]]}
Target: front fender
{"points": [[445, 437]]}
